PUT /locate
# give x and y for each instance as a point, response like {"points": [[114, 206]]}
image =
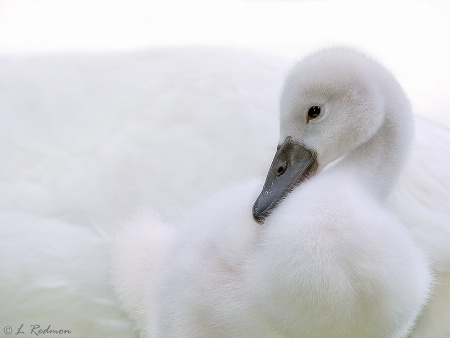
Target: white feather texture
{"points": [[85, 141], [330, 261], [421, 200], [88, 140], [230, 278]]}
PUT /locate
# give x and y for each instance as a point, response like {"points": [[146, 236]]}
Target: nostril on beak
{"points": [[281, 169]]}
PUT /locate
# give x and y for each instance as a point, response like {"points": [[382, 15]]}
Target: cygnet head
{"points": [[337, 104]]}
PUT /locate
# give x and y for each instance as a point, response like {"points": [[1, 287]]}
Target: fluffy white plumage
{"points": [[420, 199], [80, 135], [330, 261], [80, 139]]}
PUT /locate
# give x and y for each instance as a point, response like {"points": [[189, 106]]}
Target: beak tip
{"points": [[257, 215], [259, 220]]}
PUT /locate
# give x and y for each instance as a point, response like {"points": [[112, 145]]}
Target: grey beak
{"points": [[292, 164]]}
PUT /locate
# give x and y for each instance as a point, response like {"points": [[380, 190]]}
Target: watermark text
{"points": [[34, 330]]}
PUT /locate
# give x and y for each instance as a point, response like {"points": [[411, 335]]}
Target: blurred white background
{"points": [[410, 37], [89, 98]]}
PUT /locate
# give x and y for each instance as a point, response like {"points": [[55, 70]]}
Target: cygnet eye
{"points": [[313, 112]]}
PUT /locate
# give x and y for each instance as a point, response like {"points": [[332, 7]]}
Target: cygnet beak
{"points": [[292, 164]]}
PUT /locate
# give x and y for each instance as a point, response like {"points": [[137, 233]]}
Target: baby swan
{"points": [[324, 258]]}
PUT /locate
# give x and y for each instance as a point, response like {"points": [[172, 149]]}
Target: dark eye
{"points": [[313, 112]]}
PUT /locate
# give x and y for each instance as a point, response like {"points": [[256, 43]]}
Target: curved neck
{"points": [[378, 161]]}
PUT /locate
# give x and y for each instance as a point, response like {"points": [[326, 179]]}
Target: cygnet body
{"points": [[321, 256]]}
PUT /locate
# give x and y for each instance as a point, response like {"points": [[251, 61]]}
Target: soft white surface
{"points": [[86, 139], [113, 136]]}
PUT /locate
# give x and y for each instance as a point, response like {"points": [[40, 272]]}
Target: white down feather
{"points": [[79, 136], [331, 261]]}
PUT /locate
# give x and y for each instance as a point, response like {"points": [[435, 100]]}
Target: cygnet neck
{"points": [[379, 161]]}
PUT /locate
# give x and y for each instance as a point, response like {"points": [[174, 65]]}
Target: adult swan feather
{"points": [[321, 256]]}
